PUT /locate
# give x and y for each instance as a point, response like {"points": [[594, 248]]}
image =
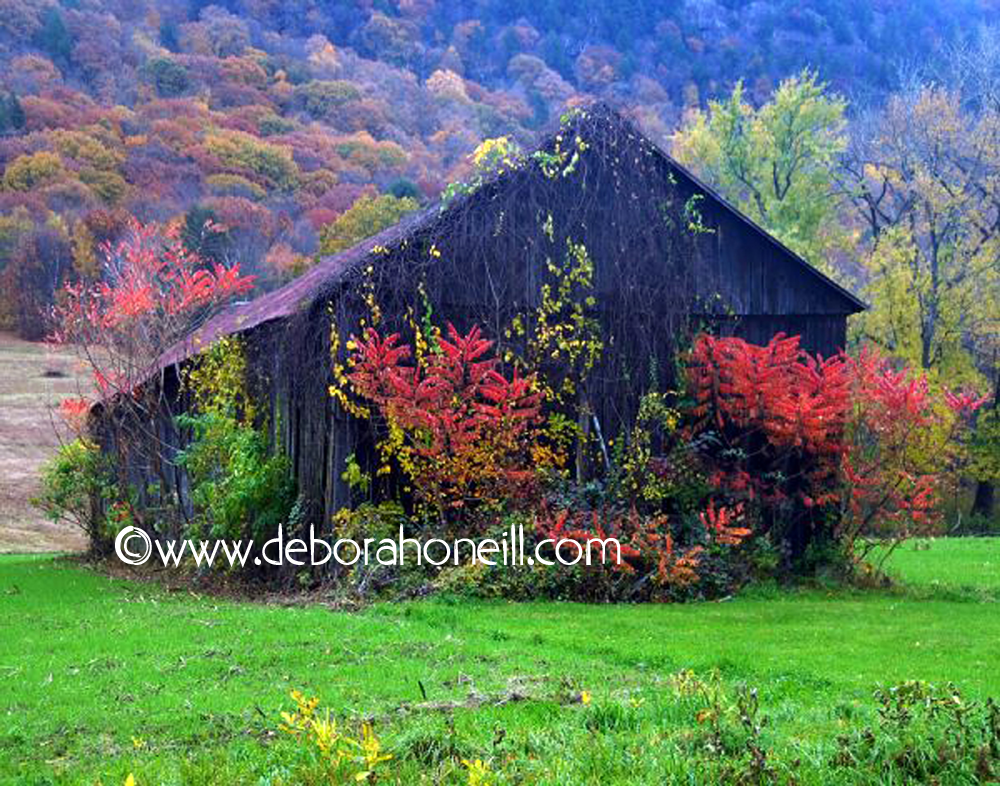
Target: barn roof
{"points": [[302, 292]]}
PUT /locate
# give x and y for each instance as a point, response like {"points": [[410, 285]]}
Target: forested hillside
{"points": [[252, 125]]}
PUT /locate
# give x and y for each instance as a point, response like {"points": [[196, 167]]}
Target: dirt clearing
{"points": [[33, 379]]}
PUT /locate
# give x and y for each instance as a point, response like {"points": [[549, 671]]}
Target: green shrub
{"points": [[74, 484], [238, 488], [924, 735]]}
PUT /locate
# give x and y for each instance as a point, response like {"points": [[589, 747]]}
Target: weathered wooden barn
{"points": [[669, 256]]}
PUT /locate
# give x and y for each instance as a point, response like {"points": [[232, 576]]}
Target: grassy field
{"points": [[33, 378], [971, 563], [100, 678]]}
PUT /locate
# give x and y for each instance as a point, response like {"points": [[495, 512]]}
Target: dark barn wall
{"points": [[820, 334]]}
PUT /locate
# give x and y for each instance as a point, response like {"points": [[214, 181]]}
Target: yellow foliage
{"points": [[85, 262], [339, 390], [496, 155], [368, 216], [30, 171], [217, 380], [273, 163], [338, 751], [564, 328], [478, 771]]}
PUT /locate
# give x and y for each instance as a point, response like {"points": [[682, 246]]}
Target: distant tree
{"points": [[539, 109], [168, 76], [109, 186], [556, 56], [11, 114], [85, 262], [250, 229], [924, 173], [228, 33], [404, 188], [107, 226], [204, 235], [366, 217], [30, 171], [271, 163], [319, 97], [15, 227], [15, 112], [53, 37], [776, 163], [37, 264], [169, 36]]}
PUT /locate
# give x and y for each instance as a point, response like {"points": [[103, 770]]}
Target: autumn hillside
{"points": [[264, 121]]}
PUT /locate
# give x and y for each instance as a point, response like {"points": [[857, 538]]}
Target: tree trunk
{"points": [[985, 499], [583, 441]]}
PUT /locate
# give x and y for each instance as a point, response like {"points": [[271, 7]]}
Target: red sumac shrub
{"points": [[460, 429], [848, 446]]}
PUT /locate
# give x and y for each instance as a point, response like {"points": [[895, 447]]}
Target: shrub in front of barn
{"points": [[769, 463]]}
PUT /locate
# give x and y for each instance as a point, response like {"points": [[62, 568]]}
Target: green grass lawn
{"points": [[951, 562], [100, 678]]}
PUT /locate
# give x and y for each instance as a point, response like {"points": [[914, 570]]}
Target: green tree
{"points": [[168, 76], [15, 113], [777, 163], [924, 173], [366, 217], [53, 37]]}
